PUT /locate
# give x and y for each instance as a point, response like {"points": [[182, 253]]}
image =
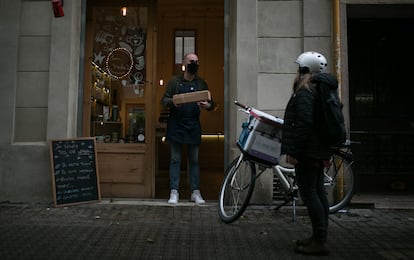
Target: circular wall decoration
{"points": [[119, 63]]}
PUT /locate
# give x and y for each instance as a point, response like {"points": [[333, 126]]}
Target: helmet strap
{"points": [[303, 70]]}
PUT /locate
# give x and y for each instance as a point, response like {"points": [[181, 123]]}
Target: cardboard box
{"points": [[191, 97]]}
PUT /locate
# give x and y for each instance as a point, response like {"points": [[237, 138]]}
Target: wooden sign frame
{"points": [[74, 170]]}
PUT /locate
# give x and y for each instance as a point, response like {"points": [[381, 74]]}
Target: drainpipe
{"points": [[339, 189], [337, 41]]}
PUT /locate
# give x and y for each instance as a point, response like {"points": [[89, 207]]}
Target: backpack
{"points": [[332, 123]]}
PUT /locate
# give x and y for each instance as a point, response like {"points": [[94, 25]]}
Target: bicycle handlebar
{"points": [[237, 103]]}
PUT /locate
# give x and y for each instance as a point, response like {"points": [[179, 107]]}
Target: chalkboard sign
{"points": [[74, 171]]}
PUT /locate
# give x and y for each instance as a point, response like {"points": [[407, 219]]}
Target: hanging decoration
{"points": [[119, 43], [119, 63]]}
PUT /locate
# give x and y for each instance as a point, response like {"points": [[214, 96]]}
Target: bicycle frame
{"points": [[239, 181], [346, 155]]}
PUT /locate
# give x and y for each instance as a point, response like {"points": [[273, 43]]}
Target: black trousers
{"points": [[309, 174]]}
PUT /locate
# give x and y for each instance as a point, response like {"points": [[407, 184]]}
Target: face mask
{"points": [[192, 67]]}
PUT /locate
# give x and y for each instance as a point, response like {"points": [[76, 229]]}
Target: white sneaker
{"points": [[173, 197], [196, 197]]}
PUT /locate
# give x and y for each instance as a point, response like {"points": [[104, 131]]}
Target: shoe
{"points": [[173, 197], [313, 248], [304, 242], [196, 197]]}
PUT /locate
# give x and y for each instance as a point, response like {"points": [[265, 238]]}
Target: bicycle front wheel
{"points": [[339, 182], [236, 189]]}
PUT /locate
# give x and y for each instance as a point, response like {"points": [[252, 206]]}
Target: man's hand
{"points": [[204, 104]]}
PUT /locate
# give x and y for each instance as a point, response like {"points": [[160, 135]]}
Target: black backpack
{"points": [[332, 127]]}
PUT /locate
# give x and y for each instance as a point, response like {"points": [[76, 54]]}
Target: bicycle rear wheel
{"points": [[236, 189], [339, 182]]}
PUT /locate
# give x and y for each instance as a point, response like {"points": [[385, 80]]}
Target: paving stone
{"points": [[123, 231]]}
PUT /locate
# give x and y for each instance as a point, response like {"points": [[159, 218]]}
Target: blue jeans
{"points": [[309, 174], [175, 166]]}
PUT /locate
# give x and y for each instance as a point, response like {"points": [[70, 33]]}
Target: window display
{"points": [[118, 75]]}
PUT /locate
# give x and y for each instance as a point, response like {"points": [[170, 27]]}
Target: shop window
{"points": [[118, 74]]}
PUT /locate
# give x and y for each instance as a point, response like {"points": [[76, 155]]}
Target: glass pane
{"points": [[178, 50], [136, 124], [184, 43], [118, 72], [189, 45]]}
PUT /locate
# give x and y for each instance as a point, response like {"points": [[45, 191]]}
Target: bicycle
{"points": [[259, 143]]}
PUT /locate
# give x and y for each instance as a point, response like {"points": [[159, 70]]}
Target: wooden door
{"points": [[118, 103], [381, 96]]}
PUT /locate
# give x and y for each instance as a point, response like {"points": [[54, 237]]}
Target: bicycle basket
{"points": [[261, 138]]}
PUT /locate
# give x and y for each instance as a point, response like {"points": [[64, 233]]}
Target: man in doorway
{"points": [[184, 128]]}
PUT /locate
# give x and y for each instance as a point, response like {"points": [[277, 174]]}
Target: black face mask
{"points": [[192, 68]]}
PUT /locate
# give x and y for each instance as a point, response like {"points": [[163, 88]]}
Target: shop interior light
{"points": [[124, 11]]}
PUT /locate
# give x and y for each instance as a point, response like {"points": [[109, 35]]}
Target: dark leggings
{"points": [[310, 179]]}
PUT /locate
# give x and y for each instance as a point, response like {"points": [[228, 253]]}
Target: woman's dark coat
{"points": [[301, 135]]}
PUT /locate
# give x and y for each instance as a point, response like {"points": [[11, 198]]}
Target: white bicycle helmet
{"points": [[312, 60]]}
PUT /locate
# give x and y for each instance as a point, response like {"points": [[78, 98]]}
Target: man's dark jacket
{"points": [[183, 124]]}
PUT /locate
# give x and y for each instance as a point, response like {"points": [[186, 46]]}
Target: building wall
{"points": [[268, 37], [39, 98], [40, 76]]}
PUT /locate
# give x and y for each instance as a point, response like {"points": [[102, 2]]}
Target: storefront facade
{"points": [[96, 72]]}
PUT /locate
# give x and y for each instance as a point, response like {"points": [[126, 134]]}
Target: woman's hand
{"points": [[291, 160]]}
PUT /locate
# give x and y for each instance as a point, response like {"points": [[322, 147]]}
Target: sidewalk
{"points": [[385, 201], [139, 229]]}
